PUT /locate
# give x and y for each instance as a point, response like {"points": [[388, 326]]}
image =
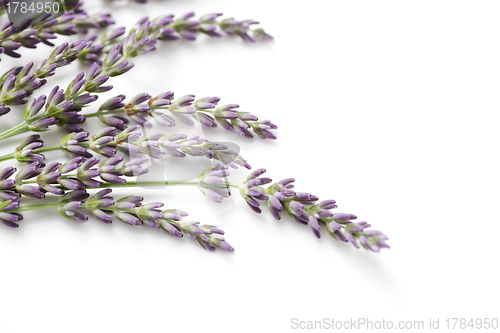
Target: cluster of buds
{"points": [[301, 206], [109, 141], [143, 36], [20, 82], [62, 106], [243, 29], [9, 200], [25, 152], [304, 208], [156, 145], [78, 204], [213, 183], [32, 31], [35, 180], [184, 109], [252, 191]]}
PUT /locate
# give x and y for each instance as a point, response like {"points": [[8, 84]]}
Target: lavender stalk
{"points": [[166, 28], [64, 105], [184, 109], [44, 28], [77, 205], [20, 82], [130, 142]]}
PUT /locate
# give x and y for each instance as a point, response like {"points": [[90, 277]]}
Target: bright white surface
{"points": [[389, 107]]}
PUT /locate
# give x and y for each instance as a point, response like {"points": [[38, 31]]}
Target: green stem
{"points": [[6, 157], [19, 129], [44, 149], [151, 183], [39, 150], [155, 183], [34, 207]]}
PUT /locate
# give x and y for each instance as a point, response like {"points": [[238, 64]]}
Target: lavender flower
{"points": [[61, 106], [99, 204], [44, 28], [4, 109], [213, 184], [25, 151], [7, 217], [304, 208], [28, 172], [22, 81], [184, 109], [50, 175], [251, 190], [159, 145], [35, 180], [301, 206], [71, 145], [9, 94], [131, 142], [70, 202], [77, 205], [141, 39], [132, 211]]}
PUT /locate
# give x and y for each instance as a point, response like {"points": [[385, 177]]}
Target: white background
{"points": [[389, 107]]}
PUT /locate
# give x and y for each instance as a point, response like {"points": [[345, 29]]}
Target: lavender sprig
{"points": [[62, 106], [77, 205], [45, 28], [131, 142], [35, 180], [20, 82], [300, 206], [166, 28], [184, 109], [305, 208]]}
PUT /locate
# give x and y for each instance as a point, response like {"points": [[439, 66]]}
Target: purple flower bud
{"points": [[10, 219], [115, 122], [344, 218], [327, 204], [140, 98], [314, 226], [163, 119], [71, 165], [128, 218], [306, 197], [29, 171], [7, 172], [4, 110], [42, 124], [113, 103], [120, 68], [34, 107], [71, 183], [30, 191], [9, 195]]}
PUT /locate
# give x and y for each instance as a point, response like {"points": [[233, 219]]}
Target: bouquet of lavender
{"points": [[96, 165]]}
